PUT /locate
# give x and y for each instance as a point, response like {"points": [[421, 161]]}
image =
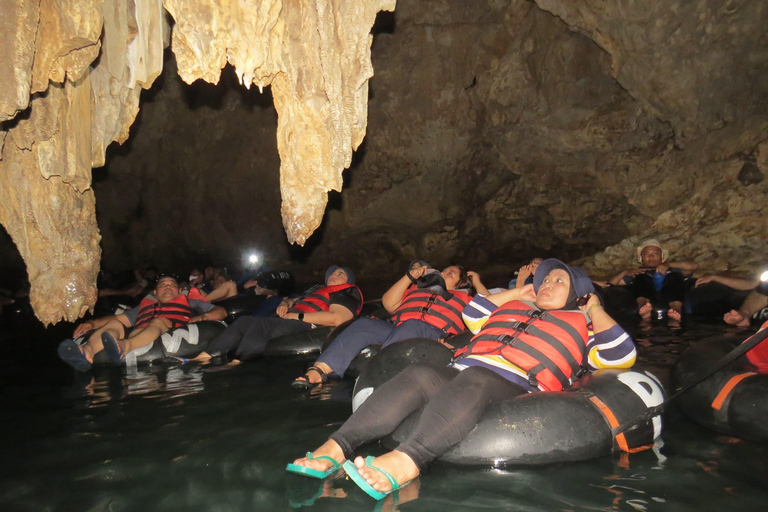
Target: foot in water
{"points": [[734, 317], [112, 348], [328, 449], [645, 311], [397, 464]]}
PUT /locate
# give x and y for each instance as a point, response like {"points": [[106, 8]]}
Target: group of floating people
{"points": [[546, 331]]}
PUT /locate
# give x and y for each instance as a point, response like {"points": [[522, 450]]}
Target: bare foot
{"points": [[645, 311], [396, 463], [733, 317], [328, 449], [674, 314]]}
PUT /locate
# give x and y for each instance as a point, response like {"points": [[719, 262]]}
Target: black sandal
{"points": [[304, 383]]}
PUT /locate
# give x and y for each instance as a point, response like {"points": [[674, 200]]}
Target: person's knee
{"points": [[163, 324]]}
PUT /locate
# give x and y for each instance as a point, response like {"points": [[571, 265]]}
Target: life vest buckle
{"points": [[536, 314], [429, 304]]}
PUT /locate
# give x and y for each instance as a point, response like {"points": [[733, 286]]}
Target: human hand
{"points": [[704, 280], [196, 319], [592, 300], [474, 276], [632, 272], [418, 270], [662, 269], [526, 293], [251, 283], [82, 329], [282, 309]]}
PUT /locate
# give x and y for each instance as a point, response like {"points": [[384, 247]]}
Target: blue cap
{"points": [[580, 281], [334, 268]]}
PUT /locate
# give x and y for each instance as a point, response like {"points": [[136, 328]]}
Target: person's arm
{"points": [[215, 313], [394, 296], [335, 316], [477, 283], [731, 282], [98, 323], [284, 306], [609, 345], [618, 279], [687, 267], [477, 312], [226, 290]]}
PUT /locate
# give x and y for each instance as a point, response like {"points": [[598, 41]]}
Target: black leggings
{"points": [[248, 336], [454, 401]]}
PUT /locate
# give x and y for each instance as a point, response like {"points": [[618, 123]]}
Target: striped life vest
{"points": [[320, 300], [428, 306], [550, 347], [194, 294], [178, 310]]}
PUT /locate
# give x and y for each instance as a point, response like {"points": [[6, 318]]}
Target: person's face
{"points": [[651, 256], [218, 281], [195, 277], [451, 276], [167, 289], [554, 290], [338, 277]]}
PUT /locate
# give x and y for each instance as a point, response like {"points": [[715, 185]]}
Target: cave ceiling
{"points": [[480, 132]]}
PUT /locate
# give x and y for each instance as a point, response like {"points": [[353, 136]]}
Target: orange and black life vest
{"points": [[194, 294], [428, 306], [178, 310], [550, 346], [320, 300]]}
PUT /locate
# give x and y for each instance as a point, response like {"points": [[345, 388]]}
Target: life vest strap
{"points": [[724, 395], [613, 422]]}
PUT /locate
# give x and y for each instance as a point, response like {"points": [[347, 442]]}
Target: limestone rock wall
{"points": [[84, 63], [316, 57], [497, 130], [53, 138]]}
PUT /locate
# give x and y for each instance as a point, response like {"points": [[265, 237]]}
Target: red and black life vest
{"points": [[430, 307], [178, 310], [758, 355], [550, 346], [320, 300], [194, 294]]}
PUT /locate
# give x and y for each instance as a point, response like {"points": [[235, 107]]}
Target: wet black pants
{"points": [[248, 336], [453, 403]]}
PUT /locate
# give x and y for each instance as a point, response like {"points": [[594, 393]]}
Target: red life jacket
{"points": [[320, 300], [178, 310], [758, 355], [430, 307], [550, 346], [194, 294]]}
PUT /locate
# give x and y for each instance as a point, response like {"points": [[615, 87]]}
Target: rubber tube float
{"points": [[733, 401], [537, 428]]}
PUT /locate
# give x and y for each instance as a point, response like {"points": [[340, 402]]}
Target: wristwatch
{"points": [[301, 317]]}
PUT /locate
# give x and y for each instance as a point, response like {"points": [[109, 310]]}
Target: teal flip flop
{"points": [[313, 473], [351, 470]]}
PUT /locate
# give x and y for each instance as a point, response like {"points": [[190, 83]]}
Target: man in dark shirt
{"points": [[158, 312]]}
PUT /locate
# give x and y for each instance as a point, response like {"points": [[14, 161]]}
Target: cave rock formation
{"points": [[70, 85]]}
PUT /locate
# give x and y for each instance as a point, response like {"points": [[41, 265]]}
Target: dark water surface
{"points": [[186, 438]]}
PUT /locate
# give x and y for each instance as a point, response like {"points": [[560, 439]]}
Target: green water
{"points": [[165, 438]]}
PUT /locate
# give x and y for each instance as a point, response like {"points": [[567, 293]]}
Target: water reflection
{"points": [[180, 438], [150, 382]]}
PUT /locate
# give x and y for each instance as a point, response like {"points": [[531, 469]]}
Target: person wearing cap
{"points": [[338, 301], [657, 280], [424, 303], [496, 366], [165, 308]]}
